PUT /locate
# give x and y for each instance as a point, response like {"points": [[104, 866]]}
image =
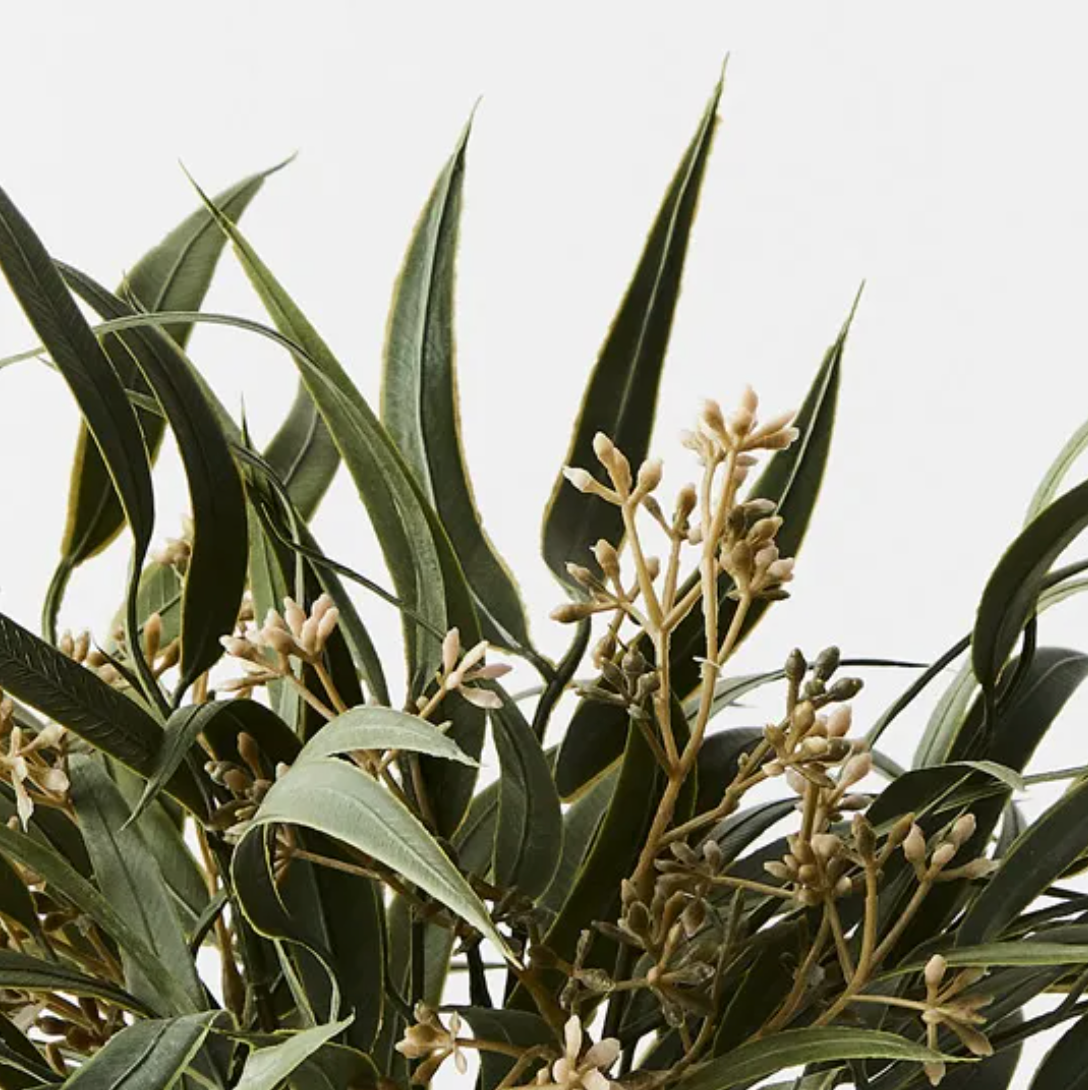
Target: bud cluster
{"points": [[247, 783], [35, 764], [931, 861], [946, 1005], [460, 669]]}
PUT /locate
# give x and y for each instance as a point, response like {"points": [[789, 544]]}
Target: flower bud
{"points": [[944, 855], [962, 830], [914, 845], [857, 768], [580, 479], [606, 556], [649, 475], [935, 969], [826, 845]]}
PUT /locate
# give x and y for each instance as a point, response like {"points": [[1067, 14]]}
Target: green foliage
{"points": [[233, 857]]}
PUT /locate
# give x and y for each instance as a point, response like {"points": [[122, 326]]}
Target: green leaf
{"points": [[130, 875], [419, 401], [1063, 1067], [1044, 495], [39, 675], [341, 801], [266, 1068], [151, 1054], [1035, 860], [1011, 593], [175, 275], [621, 394], [596, 735], [800, 1047], [303, 454], [993, 955], [397, 510], [26, 973], [98, 391], [520, 1028], [529, 833], [216, 571], [378, 728]]}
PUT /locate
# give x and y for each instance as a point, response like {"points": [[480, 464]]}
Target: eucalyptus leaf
{"points": [[267, 1067], [375, 728]]}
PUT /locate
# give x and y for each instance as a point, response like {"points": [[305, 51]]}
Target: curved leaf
{"points": [[621, 394], [174, 275], [799, 1047], [1044, 495], [39, 675], [1012, 591], [339, 800], [150, 1054], [419, 401], [98, 391], [126, 870], [216, 571], [378, 728], [529, 832], [303, 453]]}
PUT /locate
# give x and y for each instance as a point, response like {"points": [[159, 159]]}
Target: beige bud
{"points": [[934, 972], [944, 855], [451, 650], [777, 870], [857, 768], [322, 606], [749, 400], [66, 645], [606, 556], [649, 475], [711, 416], [839, 720], [963, 829], [914, 845], [686, 500], [570, 612], [826, 845], [326, 624], [604, 448], [280, 640], [294, 615]]}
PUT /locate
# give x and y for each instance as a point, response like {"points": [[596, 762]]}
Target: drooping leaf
{"points": [[215, 573], [797, 1047], [151, 1054], [102, 401], [130, 876], [267, 1067], [334, 798], [621, 395], [419, 401], [174, 275], [1035, 860], [596, 735], [376, 728], [529, 833], [1044, 495], [39, 675], [1012, 591]]}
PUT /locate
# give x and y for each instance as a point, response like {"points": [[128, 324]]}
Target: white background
{"points": [[935, 151]]}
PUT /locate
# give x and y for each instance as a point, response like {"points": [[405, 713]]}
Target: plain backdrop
{"points": [[936, 151]]}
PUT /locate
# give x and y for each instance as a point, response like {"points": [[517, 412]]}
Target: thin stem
{"points": [[841, 948], [330, 687], [751, 886], [645, 583]]}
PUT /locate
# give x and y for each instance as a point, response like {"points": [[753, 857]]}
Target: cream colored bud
{"points": [[604, 448], [780, 440], [826, 845], [326, 624], [778, 870], [814, 747], [935, 969], [66, 644], [280, 640], [294, 615], [653, 567], [54, 781], [781, 571], [607, 557], [649, 475], [238, 648], [740, 423], [686, 500], [797, 783], [978, 868], [307, 637], [914, 845], [963, 829], [749, 400], [711, 416], [839, 721], [944, 855], [803, 717], [321, 606], [857, 768], [451, 650], [273, 619], [109, 674], [581, 480]]}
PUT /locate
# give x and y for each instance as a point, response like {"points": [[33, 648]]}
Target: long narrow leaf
{"points": [[621, 395], [419, 401]]}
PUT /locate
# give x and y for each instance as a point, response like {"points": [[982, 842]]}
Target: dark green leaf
{"points": [[216, 570], [529, 834], [173, 276], [149, 1055], [303, 453], [419, 401], [797, 1047], [98, 391], [39, 675], [719, 761], [519, 1028], [131, 877], [1013, 588], [621, 394]]}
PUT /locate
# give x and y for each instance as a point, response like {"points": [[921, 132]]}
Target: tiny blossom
{"points": [[429, 1040], [588, 1073]]}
